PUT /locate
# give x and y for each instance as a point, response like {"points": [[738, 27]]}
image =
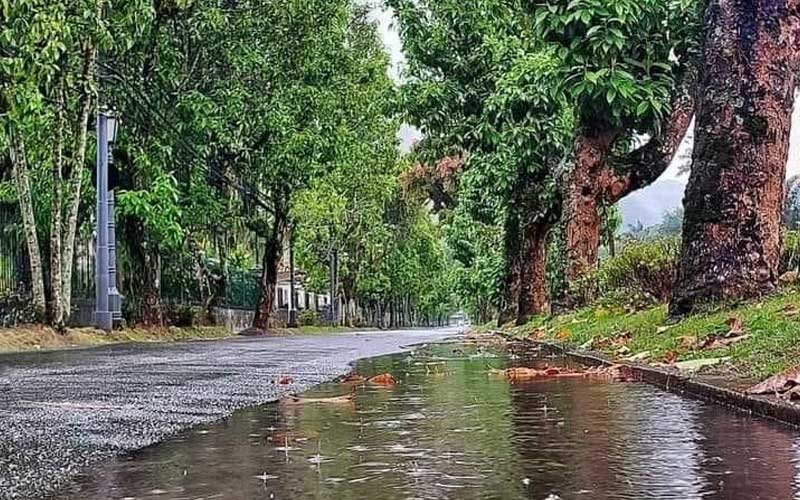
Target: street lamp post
{"points": [[105, 268]]}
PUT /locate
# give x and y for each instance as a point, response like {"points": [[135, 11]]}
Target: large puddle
{"points": [[451, 430]]}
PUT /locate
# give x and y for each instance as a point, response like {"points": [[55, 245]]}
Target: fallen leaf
{"points": [[670, 357], [382, 379], [353, 378], [662, 329], [791, 394], [639, 356], [735, 325], [522, 373], [791, 310], [688, 342], [694, 365], [537, 334], [564, 335], [286, 380], [348, 398], [778, 383], [720, 342]]}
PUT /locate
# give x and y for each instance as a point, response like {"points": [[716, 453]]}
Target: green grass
{"points": [[773, 326], [28, 338]]}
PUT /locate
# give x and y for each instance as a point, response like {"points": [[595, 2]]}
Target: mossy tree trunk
{"points": [[599, 179], [526, 290], [273, 252], [732, 228], [584, 199]]}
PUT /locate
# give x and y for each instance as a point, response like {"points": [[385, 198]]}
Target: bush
{"points": [[181, 315], [641, 272], [308, 317], [791, 251], [16, 308]]}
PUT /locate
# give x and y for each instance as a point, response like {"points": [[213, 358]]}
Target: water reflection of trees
{"points": [[454, 432]]}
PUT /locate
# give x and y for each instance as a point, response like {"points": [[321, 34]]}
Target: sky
{"points": [[409, 134]]}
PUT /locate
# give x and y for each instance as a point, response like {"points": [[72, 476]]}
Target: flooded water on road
{"points": [[451, 430]]}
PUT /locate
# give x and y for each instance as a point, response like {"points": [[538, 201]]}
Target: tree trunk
{"points": [[269, 273], [598, 181], [583, 204], [152, 314], [56, 315], [73, 198], [732, 228], [526, 290], [21, 175]]}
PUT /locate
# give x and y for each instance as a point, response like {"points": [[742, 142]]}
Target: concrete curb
{"points": [[780, 411]]}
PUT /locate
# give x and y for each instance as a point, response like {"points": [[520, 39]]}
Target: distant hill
{"points": [[649, 205]]}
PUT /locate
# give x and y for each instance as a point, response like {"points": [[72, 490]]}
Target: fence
{"points": [[13, 258]]}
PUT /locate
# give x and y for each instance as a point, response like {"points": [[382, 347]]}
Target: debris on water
{"points": [[345, 399], [614, 372], [353, 378], [526, 481], [265, 477], [383, 379], [285, 380]]}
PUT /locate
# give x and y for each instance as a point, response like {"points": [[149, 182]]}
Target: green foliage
{"points": [[619, 55], [308, 317], [641, 272], [791, 251]]}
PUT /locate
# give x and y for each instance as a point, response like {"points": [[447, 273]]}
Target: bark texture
{"points": [[75, 182], [732, 239], [19, 165], [526, 290], [584, 198], [56, 283], [269, 273], [599, 180]]}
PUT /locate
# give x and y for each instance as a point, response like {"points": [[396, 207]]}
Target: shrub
{"points": [[308, 317], [181, 315], [16, 308], [641, 272], [791, 251]]}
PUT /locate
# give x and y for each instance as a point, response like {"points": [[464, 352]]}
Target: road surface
{"points": [[62, 411]]}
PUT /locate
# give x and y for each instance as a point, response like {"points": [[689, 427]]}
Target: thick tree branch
{"points": [[644, 165]]}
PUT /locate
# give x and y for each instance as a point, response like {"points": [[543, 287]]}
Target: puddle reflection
{"points": [[449, 430]]}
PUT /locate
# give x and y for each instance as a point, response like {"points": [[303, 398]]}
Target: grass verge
{"points": [[771, 326], [31, 338]]}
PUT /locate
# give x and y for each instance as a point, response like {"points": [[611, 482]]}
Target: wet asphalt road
{"points": [[63, 411]]}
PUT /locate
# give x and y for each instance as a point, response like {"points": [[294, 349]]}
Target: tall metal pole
{"points": [[114, 298], [292, 317], [102, 315]]}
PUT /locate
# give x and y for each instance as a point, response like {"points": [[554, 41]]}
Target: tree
{"points": [[732, 238], [47, 81], [630, 68], [484, 90]]}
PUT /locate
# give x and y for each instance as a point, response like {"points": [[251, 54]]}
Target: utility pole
{"points": [[292, 316]]}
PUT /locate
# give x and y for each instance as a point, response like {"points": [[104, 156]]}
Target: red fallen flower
{"points": [[286, 381]]}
